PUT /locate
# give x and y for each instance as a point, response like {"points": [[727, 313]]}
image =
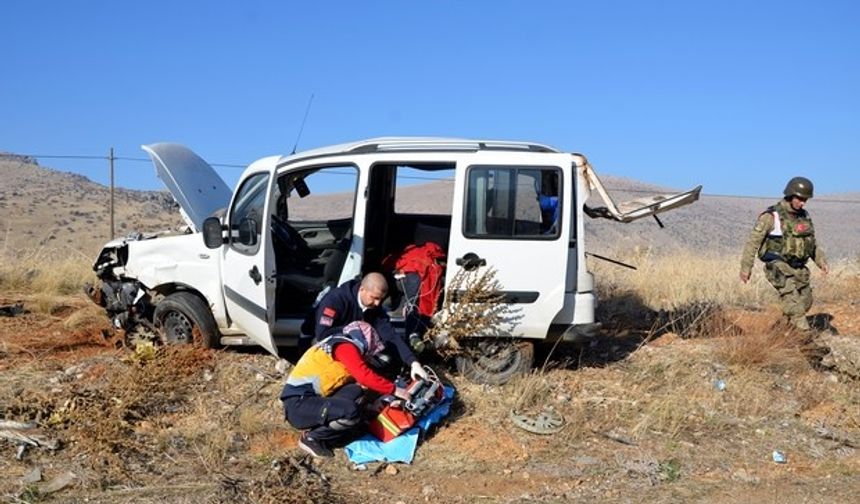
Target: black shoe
{"points": [[314, 447]]}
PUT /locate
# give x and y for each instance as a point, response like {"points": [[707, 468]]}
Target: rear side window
{"points": [[513, 202]]}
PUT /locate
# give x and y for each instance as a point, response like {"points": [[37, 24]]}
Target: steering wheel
{"points": [[287, 236]]}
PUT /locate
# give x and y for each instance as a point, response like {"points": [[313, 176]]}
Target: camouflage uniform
{"points": [[785, 264]]}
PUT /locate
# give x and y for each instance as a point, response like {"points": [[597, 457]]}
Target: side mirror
{"points": [[248, 232], [213, 236]]}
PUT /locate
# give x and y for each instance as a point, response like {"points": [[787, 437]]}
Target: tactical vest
{"points": [[319, 369], [792, 239]]}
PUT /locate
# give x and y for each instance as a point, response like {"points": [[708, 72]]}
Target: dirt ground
{"points": [[667, 419]]}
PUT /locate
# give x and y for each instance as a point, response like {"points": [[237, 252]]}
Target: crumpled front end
{"points": [[125, 300]]}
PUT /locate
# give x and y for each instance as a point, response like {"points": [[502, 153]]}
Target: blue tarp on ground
{"points": [[402, 448]]}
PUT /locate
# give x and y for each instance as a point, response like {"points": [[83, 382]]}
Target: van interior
{"points": [[312, 226]]}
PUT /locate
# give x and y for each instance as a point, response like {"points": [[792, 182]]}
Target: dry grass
{"points": [[670, 390], [843, 282], [46, 272], [111, 423], [88, 317], [211, 421], [669, 282], [777, 347], [45, 303]]}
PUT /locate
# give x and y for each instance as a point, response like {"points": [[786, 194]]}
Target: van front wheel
{"points": [[496, 361], [183, 318]]}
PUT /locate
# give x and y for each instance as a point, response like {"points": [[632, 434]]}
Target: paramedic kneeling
{"points": [[361, 300], [321, 394]]}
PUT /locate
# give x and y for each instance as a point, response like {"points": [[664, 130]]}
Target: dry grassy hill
{"points": [[41, 208]]}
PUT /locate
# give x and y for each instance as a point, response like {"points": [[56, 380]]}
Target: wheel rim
{"points": [[496, 357], [177, 328]]}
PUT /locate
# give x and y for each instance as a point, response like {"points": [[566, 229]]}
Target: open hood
{"points": [[193, 183], [632, 210]]}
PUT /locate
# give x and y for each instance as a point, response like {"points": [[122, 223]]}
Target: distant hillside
{"points": [[722, 224], [41, 207]]}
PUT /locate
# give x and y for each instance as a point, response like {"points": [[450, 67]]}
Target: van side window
{"points": [[246, 216], [513, 202]]}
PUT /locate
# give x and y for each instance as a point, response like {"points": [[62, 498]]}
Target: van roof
{"points": [[418, 144]]}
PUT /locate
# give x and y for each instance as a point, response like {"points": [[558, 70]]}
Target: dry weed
{"points": [[104, 421], [213, 448], [529, 391], [671, 281], [673, 392], [776, 348], [45, 303], [251, 421], [843, 282], [91, 317], [697, 319], [473, 307], [45, 271], [289, 480]]}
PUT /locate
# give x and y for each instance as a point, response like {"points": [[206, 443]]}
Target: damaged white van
{"points": [[254, 261]]}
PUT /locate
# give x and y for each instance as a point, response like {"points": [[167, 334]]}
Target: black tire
{"points": [[497, 361], [183, 319]]}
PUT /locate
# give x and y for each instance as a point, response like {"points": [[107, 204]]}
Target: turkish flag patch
{"points": [[328, 311], [801, 227]]}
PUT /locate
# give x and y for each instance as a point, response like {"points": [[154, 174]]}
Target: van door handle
{"points": [[255, 275], [471, 261]]}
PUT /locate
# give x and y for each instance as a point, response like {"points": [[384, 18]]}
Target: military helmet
{"points": [[798, 186]]}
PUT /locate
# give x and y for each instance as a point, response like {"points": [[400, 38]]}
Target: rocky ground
{"points": [[730, 408]]}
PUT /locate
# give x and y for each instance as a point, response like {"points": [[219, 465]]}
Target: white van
{"points": [[298, 224]]}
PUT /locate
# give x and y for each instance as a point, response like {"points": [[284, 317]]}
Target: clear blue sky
{"points": [[736, 95]]}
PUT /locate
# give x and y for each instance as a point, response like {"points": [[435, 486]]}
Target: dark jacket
{"points": [[340, 307]]}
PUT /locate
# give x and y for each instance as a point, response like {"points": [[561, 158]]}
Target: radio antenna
{"points": [[302, 127]]}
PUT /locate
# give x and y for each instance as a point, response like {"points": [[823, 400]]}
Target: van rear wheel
{"points": [[183, 319], [496, 361]]}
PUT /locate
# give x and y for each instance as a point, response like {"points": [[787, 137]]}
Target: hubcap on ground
{"points": [[545, 422]]}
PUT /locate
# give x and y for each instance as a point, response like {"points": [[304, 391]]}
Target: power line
{"points": [[51, 156], [118, 158], [147, 160]]}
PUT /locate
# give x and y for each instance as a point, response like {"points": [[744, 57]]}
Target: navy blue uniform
{"points": [[340, 307]]}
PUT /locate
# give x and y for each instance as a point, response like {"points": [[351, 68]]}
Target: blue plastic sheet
{"points": [[402, 448]]}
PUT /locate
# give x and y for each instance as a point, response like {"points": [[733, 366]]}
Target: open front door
{"points": [[248, 263], [512, 216], [632, 210]]}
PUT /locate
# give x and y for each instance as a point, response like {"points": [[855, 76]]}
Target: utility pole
{"points": [[111, 158]]}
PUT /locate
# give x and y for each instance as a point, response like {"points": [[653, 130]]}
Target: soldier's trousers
{"points": [[795, 293]]}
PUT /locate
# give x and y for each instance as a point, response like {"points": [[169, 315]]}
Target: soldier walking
{"points": [[784, 239]]}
